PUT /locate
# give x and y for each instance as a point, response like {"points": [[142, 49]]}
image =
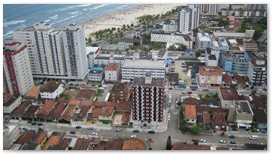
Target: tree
{"points": [[179, 103], [198, 53], [169, 143], [89, 40], [196, 130]]}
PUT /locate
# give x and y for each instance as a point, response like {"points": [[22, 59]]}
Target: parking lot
{"points": [[185, 75]]}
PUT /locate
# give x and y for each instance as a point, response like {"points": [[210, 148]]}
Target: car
{"points": [[202, 140], [195, 140], [94, 133], [189, 92], [151, 140], [29, 121], [205, 90], [34, 123], [231, 136], [40, 124], [133, 136], [78, 127], [253, 137], [233, 142], [117, 129], [90, 128], [72, 132], [222, 141], [136, 131], [151, 132]]}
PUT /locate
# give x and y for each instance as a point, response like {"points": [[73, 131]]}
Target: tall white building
{"points": [[75, 52], [203, 41], [45, 49], [189, 18], [17, 71]]}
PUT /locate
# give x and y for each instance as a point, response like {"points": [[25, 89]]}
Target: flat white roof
{"points": [[233, 41], [228, 34], [215, 44], [140, 63], [91, 49]]}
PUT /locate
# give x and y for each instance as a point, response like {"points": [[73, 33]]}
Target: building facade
{"points": [[75, 52], [17, 70], [112, 72], [210, 76], [203, 41], [257, 71], [148, 102], [139, 68], [189, 19]]}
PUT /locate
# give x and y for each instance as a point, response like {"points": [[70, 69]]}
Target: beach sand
{"points": [[118, 19]]}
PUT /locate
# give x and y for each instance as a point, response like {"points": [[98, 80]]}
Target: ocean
{"points": [[17, 16]]}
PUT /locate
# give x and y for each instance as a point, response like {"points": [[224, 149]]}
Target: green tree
{"points": [[179, 103], [215, 95], [198, 53], [89, 40], [196, 130], [169, 143]]}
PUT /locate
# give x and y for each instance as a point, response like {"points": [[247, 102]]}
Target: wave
{"points": [[65, 19], [8, 34], [99, 6], [74, 6], [74, 12], [54, 17], [6, 24]]}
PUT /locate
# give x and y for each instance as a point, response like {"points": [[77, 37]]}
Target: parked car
{"points": [[195, 140], [222, 141], [135, 131], [133, 136], [94, 133], [231, 136], [117, 129], [34, 123], [253, 137], [205, 90], [40, 124], [233, 142], [90, 128], [151, 132], [72, 132], [78, 127], [202, 140]]}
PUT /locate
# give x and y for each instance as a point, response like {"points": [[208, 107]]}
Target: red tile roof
{"points": [[45, 110], [82, 144], [68, 113], [53, 140], [227, 78], [201, 109], [58, 110], [190, 112], [258, 102], [219, 119], [206, 118], [115, 144], [33, 92], [26, 137], [133, 144], [123, 107], [112, 67], [84, 110], [86, 103], [50, 86], [41, 136], [191, 101], [74, 102], [96, 111], [239, 79], [20, 110], [210, 70], [229, 94], [85, 94], [65, 142], [107, 111], [125, 117]]}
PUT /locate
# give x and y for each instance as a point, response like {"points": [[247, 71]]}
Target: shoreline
{"points": [[128, 16]]}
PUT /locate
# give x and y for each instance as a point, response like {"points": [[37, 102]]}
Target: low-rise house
{"points": [[209, 76], [33, 93], [53, 140], [191, 101], [226, 80], [115, 144], [134, 144], [82, 144], [41, 138], [260, 119], [211, 102], [173, 79], [258, 102], [227, 96], [119, 92], [20, 110], [10, 102], [69, 111], [11, 133], [190, 114], [112, 72], [96, 75], [249, 146], [241, 113], [30, 113], [240, 81], [86, 95], [30, 146], [57, 111], [185, 146], [44, 112], [52, 89]]}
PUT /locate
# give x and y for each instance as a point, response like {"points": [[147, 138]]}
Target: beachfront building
{"points": [[203, 41], [17, 73], [139, 68], [173, 38], [189, 19], [257, 70], [91, 54], [208, 8], [45, 50], [169, 26], [148, 101], [75, 52]]}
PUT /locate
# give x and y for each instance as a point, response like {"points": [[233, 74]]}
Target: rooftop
{"points": [[68, 113], [107, 111], [20, 110], [74, 102], [183, 146], [133, 144], [190, 112], [29, 146], [33, 92], [201, 109], [50, 86], [258, 102], [119, 47], [45, 110], [260, 116], [53, 140], [191, 101], [227, 78], [85, 94], [219, 119], [212, 57], [59, 108], [40, 137], [64, 143], [112, 67], [159, 64], [26, 137], [210, 70], [115, 144], [173, 78], [242, 107], [9, 99], [156, 82], [82, 144], [229, 94]]}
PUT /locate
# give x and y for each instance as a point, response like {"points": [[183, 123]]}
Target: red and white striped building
{"points": [[17, 71]]}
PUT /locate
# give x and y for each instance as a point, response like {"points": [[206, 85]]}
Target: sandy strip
{"points": [[118, 19]]}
